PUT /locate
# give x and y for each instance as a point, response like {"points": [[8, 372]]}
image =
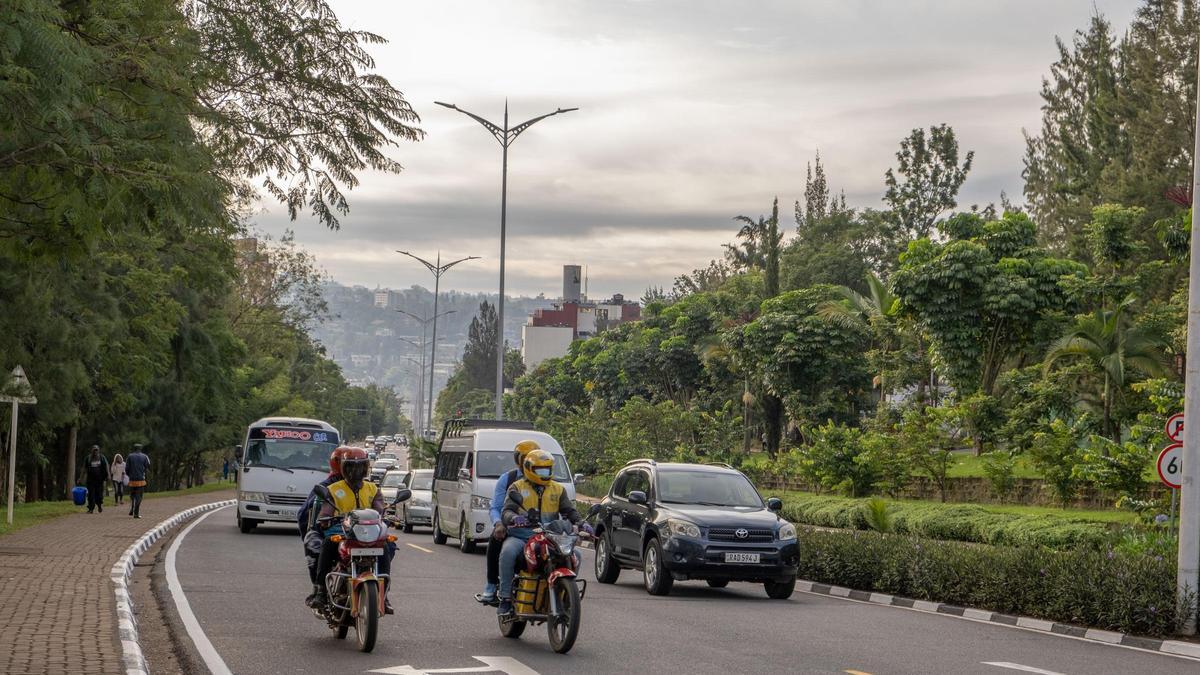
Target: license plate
{"points": [[366, 551], [742, 557], [290, 513]]}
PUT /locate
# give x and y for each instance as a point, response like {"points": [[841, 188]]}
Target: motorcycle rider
{"points": [[531, 501], [310, 534], [352, 492], [496, 541]]}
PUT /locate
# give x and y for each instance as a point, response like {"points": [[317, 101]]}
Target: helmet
{"points": [[538, 466], [354, 465], [335, 459], [524, 448]]}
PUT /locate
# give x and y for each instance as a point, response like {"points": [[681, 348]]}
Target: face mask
{"points": [[542, 473]]}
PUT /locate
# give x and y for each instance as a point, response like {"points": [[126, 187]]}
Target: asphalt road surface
{"points": [[247, 591]]}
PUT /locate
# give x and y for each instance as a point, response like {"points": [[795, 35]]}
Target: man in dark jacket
{"points": [[137, 467], [96, 469]]}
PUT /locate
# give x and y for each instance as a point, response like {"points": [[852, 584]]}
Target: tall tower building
{"points": [[572, 283]]}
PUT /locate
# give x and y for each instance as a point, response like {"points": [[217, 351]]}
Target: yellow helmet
{"points": [[538, 466], [524, 448]]}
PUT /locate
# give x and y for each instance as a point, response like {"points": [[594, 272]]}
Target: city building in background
{"points": [[548, 333]]}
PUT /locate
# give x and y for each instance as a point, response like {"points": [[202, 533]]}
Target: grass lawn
{"points": [[968, 465], [25, 515], [1095, 515]]}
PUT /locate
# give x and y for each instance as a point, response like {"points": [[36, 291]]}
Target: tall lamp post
{"points": [[419, 401], [1188, 561], [438, 269], [506, 136], [425, 321]]}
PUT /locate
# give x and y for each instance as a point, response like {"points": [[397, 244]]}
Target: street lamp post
{"points": [[438, 269], [419, 411], [425, 321], [506, 136]]}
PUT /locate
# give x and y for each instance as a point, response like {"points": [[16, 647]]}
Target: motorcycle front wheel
{"points": [[564, 627], [366, 625]]}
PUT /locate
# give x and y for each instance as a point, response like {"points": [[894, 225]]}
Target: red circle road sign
{"points": [[1170, 465], [1174, 427]]}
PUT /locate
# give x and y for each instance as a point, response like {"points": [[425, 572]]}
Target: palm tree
{"points": [[878, 313], [1113, 349], [761, 247]]}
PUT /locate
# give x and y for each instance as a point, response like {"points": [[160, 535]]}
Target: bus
{"points": [[280, 462]]}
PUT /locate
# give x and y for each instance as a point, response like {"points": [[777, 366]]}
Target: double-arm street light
{"points": [[419, 401], [505, 135], [425, 321], [438, 269]]}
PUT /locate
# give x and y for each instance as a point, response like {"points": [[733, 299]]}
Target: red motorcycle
{"points": [[355, 587], [547, 590]]}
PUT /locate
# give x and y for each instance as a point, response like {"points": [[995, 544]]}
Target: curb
{"points": [[1173, 647], [131, 649]]}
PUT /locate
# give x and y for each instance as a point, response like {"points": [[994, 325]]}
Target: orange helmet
{"points": [[335, 459]]}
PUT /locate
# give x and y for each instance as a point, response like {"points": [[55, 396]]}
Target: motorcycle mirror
{"points": [[322, 492], [594, 510], [402, 495], [774, 504]]}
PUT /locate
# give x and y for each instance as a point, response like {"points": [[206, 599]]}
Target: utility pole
{"points": [[506, 136], [1188, 578], [20, 392], [438, 269]]}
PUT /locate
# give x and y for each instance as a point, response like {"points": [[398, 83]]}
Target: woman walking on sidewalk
{"points": [[137, 467], [96, 471], [117, 474]]}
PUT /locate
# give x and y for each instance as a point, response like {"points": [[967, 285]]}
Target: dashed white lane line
{"points": [[212, 659], [1018, 666], [419, 548]]}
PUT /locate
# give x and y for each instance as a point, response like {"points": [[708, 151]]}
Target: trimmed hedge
{"points": [[953, 522], [1131, 593]]}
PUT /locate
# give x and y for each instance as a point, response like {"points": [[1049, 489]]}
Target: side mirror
{"points": [[464, 474], [577, 478], [402, 495], [322, 492], [238, 452], [774, 504], [638, 497], [594, 510]]}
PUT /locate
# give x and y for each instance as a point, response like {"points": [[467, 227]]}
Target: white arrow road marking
{"points": [[492, 664], [1017, 666]]}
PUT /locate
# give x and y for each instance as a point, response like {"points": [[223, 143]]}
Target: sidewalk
{"points": [[57, 614]]}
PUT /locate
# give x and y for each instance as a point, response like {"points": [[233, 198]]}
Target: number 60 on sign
{"points": [[1170, 465]]}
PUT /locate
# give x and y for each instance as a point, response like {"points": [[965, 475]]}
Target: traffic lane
{"points": [[254, 616]]}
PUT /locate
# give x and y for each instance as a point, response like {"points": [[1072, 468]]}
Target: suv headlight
{"points": [[252, 497], [478, 502], [682, 528], [787, 531]]}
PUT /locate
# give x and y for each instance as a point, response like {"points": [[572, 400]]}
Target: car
{"points": [[418, 510], [392, 481], [679, 522], [369, 441]]}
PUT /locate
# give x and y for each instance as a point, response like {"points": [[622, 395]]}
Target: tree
{"points": [[760, 247], [925, 183]]}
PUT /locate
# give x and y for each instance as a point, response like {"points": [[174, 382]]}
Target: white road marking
{"points": [[212, 659], [492, 664], [1017, 666], [419, 548]]}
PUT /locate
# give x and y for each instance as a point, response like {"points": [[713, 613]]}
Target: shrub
{"points": [[838, 460], [999, 467], [953, 522], [1113, 590], [1120, 467], [1055, 453]]}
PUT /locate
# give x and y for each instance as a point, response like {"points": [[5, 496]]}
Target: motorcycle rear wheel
{"points": [[366, 625], [512, 629], [564, 628]]}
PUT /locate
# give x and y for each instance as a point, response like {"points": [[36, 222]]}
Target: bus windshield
{"points": [[290, 448]]}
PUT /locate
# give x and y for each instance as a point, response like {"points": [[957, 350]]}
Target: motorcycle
{"points": [[355, 587], [547, 590]]}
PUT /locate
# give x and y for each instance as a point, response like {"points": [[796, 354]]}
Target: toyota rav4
{"points": [[677, 522]]}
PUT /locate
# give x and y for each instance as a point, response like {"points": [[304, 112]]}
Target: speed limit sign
{"points": [[1170, 465]]}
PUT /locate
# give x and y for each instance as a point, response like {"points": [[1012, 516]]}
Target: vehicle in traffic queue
{"points": [[355, 587], [391, 483], [472, 454], [418, 510], [384, 462], [678, 522], [545, 588], [369, 441], [280, 461]]}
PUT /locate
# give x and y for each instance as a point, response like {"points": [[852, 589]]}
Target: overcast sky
{"points": [[690, 113]]}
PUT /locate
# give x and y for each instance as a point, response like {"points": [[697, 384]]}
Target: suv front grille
{"points": [[287, 500], [756, 536]]}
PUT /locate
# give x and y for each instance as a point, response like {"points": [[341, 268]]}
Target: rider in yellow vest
{"points": [[532, 500]]}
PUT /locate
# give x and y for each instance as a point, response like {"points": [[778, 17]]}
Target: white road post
{"points": [[1188, 579], [12, 459]]}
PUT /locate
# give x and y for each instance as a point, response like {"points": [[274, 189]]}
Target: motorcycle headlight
{"points": [[252, 497], [368, 533], [682, 528], [478, 502], [787, 531]]}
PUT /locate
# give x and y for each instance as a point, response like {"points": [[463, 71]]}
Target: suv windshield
{"points": [[492, 464], [393, 480], [710, 488]]}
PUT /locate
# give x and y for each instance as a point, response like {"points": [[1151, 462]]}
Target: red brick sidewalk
{"points": [[56, 601]]}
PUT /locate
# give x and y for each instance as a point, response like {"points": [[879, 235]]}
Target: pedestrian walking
{"points": [[225, 470], [117, 474], [137, 467], [95, 469]]}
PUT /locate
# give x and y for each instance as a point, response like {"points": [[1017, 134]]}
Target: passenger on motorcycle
{"points": [[496, 541], [352, 492], [531, 501], [310, 534]]}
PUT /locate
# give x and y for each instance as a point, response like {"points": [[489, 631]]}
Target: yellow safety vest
{"points": [[343, 496], [547, 505]]}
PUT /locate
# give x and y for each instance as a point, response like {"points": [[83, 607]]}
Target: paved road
{"points": [[247, 592]]}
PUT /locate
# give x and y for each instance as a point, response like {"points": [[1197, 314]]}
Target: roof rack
{"points": [[718, 464], [643, 460], [455, 428]]}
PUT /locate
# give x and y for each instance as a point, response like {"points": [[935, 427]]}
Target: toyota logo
{"points": [[291, 488], [741, 533]]}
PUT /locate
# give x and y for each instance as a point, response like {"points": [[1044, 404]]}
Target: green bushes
{"points": [[964, 523], [1114, 590]]}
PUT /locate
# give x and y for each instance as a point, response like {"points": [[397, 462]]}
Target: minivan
{"points": [[472, 454], [280, 462]]}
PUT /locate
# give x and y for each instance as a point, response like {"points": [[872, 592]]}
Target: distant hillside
{"points": [[364, 339]]}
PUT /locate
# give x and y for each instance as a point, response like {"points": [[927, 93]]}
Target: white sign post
{"points": [[21, 390]]}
